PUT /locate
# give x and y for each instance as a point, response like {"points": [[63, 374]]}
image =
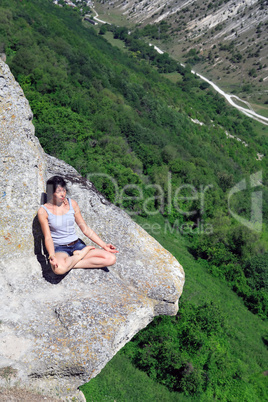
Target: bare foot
{"points": [[69, 262], [83, 252]]}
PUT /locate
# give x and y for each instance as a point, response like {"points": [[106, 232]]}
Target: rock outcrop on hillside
{"points": [[203, 16], [57, 332]]}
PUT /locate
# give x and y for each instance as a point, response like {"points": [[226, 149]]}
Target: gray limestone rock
{"points": [[22, 168], [58, 332]]}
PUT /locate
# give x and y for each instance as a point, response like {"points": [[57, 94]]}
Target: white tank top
{"points": [[62, 227]]}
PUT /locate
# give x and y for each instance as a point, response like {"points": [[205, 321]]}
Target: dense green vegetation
{"points": [[135, 43], [116, 119], [214, 349], [120, 381]]}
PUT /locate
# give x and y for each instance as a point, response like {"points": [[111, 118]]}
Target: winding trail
{"points": [[97, 19], [247, 111]]}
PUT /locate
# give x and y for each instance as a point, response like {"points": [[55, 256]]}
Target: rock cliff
{"points": [[57, 332]]}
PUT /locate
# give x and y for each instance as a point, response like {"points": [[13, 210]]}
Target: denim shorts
{"points": [[79, 245]]}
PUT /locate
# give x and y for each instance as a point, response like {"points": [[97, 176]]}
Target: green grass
{"points": [[111, 16], [260, 108], [260, 129], [173, 77], [109, 36], [247, 328], [120, 381]]}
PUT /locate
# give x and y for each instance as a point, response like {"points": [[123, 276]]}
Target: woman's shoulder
{"points": [[72, 201], [74, 204], [42, 211]]}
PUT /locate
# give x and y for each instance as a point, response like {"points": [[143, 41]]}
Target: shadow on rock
{"points": [[42, 254]]}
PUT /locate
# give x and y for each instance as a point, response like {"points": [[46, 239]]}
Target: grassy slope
{"points": [[121, 381], [247, 328], [245, 331]]}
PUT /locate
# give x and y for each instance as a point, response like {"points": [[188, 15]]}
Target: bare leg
{"points": [[96, 258], [88, 248], [66, 262]]}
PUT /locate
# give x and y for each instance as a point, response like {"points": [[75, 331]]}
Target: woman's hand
{"points": [[111, 248]]}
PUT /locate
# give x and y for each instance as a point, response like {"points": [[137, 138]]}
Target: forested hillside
{"points": [[170, 155], [226, 41]]}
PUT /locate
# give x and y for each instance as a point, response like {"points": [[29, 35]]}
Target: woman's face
{"points": [[59, 194]]}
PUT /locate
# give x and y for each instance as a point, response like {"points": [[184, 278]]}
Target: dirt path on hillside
{"points": [[248, 112]]}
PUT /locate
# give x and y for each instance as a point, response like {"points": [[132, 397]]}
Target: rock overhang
{"points": [[58, 332]]}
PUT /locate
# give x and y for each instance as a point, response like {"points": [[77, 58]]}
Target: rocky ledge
{"points": [[58, 332]]}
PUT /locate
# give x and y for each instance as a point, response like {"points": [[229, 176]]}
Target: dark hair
{"points": [[52, 185]]}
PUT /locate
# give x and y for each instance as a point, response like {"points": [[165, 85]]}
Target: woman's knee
{"points": [[111, 259]]}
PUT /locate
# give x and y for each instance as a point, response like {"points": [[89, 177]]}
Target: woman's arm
{"points": [[42, 217], [89, 232]]}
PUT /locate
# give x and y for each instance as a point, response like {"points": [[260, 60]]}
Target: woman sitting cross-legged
{"points": [[57, 219]]}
